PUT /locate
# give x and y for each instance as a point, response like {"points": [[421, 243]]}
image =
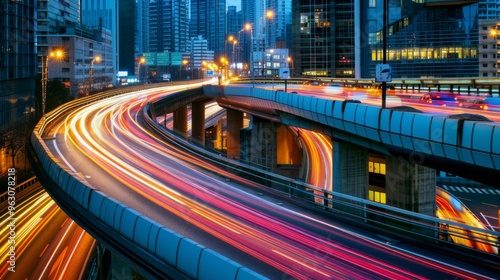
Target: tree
{"points": [[57, 94], [16, 138]]}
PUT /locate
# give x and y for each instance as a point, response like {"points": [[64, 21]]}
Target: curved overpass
{"points": [[470, 149], [125, 185]]}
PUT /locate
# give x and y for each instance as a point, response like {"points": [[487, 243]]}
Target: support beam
{"points": [[259, 144], [350, 175], [198, 122], [180, 120], [410, 186], [350, 169], [234, 125]]}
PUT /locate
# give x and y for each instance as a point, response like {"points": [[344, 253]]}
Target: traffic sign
{"points": [[383, 73]]}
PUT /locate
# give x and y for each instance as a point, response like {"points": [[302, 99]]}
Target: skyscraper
{"points": [[127, 16], [102, 13], [344, 39], [17, 60], [208, 20], [53, 18], [168, 24]]}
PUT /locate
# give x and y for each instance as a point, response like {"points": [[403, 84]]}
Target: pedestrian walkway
{"points": [[485, 191]]}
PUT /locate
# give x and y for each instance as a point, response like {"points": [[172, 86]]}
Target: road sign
{"points": [[383, 73]]}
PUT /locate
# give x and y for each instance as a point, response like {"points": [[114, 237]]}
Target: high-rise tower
{"points": [[208, 20], [18, 61], [168, 23]]}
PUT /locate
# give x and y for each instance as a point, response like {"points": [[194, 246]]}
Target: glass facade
{"points": [[97, 13], [343, 38], [18, 63], [126, 31], [323, 46], [168, 22], [423, 41], [208, 20]]}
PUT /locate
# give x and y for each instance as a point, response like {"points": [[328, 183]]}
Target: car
{"points": [[493, 103], [440, 99], [314, 83], [333, 89], [477, 104]]}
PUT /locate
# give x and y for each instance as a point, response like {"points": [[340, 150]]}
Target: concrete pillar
{"points": [[180, 120], [410, 186], [234, 125], [350, 176], [198, 122], [118, 269], [219, 138], [350, 169], [288, 152], [259, 144], [287, 149]]}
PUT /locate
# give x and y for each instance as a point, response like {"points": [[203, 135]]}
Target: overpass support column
{"points": [[234, 125], [410, 186], [198, 122], [350, 175], [180, 120], [350, 169], [259, 143]]}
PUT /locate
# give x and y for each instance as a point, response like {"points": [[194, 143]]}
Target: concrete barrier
{"points": [[188, 257], [225, 268], [167, 245]]}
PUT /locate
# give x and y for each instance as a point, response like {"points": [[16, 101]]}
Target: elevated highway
{"points": [[129, 189], [448, 143]]}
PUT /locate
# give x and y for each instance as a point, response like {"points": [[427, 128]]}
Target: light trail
{"points": [[109, 133]]}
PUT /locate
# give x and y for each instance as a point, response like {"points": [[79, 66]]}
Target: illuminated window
{"points": [[382, 168], [376, 167], [376, 196]]}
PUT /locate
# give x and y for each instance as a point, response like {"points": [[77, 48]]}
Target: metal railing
{"points": [[477, 86], [389, 219]]}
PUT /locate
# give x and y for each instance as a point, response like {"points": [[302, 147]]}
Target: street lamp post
{"points": [[45, 74], [185, 62], [142, 61], [290, 60], [268, 16], [91, 71], [248, 26], [233, 61], [384, 51]]}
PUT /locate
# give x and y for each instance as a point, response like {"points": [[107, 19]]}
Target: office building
{"points": [[340, 39], [88, 60], [127, 24], [168, 24], [18, 65], [199, 53], [52, 18], [208, 20], [103, 13]]}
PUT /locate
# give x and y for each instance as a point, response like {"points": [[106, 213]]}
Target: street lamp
{"points": [[290, 60], [91, 71], [248, 27], [265, 36], [57, 54], [234, 62], [142, 61], [185, 62], [223, 67], [384, 51]]}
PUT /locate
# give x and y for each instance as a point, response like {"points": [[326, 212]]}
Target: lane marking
{"points": [[44, 249], [59, 151]]}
